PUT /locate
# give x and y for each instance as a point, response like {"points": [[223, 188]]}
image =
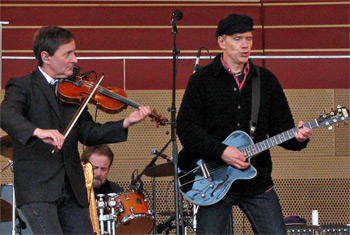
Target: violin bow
{"points": [[80, 110]]}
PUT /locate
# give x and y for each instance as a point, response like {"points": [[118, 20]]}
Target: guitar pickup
{"points": [[205, 170]]}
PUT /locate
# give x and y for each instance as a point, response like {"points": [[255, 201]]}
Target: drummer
{"points": [[101, 157]]}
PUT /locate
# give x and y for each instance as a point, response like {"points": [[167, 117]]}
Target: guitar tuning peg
{"points": [[330, 128], [346, 122], [337, 124]]}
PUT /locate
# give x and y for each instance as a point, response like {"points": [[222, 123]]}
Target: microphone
{"points": [[177, 15], [196, 64], [155, 152], [76, 71], [87, 74]]}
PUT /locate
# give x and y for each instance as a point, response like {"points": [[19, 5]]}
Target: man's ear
{"points": [[221, 42], [45, 57]]}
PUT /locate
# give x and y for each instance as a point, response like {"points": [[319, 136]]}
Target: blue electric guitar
{"points": [[208, 183]]}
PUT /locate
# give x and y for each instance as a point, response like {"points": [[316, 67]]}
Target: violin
{"points": [[108, 99]]}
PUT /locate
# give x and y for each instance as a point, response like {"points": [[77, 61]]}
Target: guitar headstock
{"points": [[89, 175], [338, 115], [161, 121]]}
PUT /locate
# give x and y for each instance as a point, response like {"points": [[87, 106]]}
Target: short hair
{"points": [[49, 39], [101, 149]]}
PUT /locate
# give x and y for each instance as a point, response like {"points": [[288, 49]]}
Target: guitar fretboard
{"points": [[257, 148]]}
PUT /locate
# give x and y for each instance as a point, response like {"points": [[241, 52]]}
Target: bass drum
{"points": [[134, 216]]}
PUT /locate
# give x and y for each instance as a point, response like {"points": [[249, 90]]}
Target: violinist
{"points": [[50, 186]]}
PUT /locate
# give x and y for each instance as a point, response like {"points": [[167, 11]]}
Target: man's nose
{"points": [[74, 59], [244, 43], [97, 172]]}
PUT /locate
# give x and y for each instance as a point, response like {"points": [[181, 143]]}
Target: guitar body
{"points": [[205, 191]]}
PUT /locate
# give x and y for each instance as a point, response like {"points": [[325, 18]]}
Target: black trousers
{"points": [[64, 216]]}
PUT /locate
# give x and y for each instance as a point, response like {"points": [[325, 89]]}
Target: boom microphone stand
{"points": [[177, 15]]}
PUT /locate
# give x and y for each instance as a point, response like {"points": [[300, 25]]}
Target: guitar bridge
{"points": [[205, 171]]}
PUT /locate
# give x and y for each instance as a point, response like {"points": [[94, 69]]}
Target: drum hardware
{"points": [[134, 181], [112, 203], [108, 219], [166, 225], [172, 213], [100, 208], [185, 214], [125, 213], [6, 149], [194, 221]]}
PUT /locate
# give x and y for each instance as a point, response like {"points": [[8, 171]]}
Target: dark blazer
{"points": [[30, 103]]}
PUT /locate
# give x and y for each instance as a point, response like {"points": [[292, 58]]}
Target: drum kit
{"points": [[128, 213], [123, 213]]}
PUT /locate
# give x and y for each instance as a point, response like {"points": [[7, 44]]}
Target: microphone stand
{"points": [[173, 127]]}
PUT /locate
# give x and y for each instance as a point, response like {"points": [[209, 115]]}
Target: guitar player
{"points": [[217, 102]]}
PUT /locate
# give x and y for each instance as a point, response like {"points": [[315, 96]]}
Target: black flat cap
{"points": [[234, 23]]}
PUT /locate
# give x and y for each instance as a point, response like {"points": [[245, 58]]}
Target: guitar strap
{"points": [[255, 102]]}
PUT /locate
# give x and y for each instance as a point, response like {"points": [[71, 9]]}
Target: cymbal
{"points": [[172, 213], [166, 169], [6, 211], [6, 146]]}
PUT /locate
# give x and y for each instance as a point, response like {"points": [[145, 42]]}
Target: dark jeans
{"points": [[263, 211], [65, 216]]}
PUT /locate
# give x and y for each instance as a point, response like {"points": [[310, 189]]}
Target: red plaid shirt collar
{"points": [[245, 72]]}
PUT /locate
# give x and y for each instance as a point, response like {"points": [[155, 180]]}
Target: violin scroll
{"points": [[161, 121]]}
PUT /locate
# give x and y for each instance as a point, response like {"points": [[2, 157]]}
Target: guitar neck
{"points": [[259, 147]]}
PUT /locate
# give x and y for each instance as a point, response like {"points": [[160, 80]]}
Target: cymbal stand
{"points": [[10, 164], [13, 202], [138, 178], [154, 205]]}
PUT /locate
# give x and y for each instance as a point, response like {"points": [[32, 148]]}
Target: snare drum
{"points": [[134, 216]]}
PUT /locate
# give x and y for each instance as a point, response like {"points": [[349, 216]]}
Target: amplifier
{"points": [[303, 229], [335, 229], [318, 230]]}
